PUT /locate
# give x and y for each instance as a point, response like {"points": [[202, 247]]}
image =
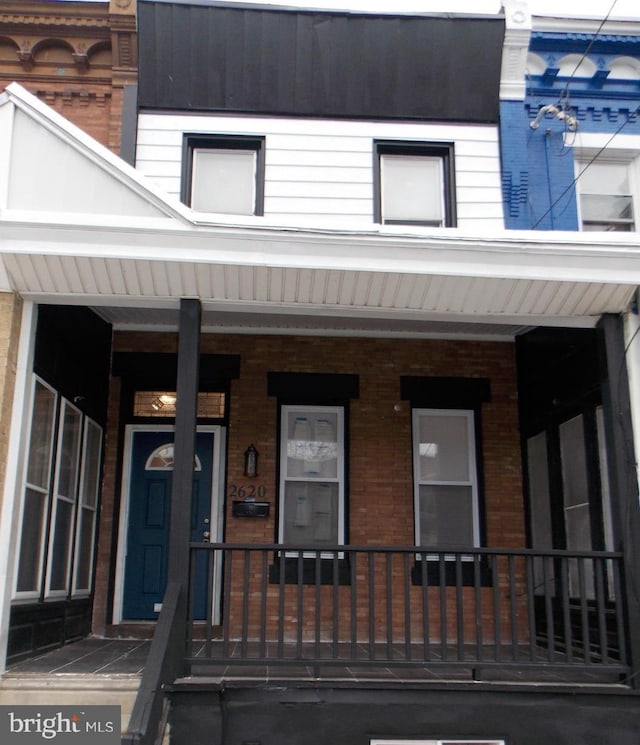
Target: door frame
{"points": [[217, 515]]}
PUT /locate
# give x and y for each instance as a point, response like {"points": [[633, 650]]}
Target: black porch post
{"points": [[184, 444], [623, 476]]}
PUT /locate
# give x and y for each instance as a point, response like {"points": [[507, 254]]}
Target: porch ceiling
{"points": [[275, 279]]}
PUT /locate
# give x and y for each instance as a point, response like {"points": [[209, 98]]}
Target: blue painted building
{"points": [[570, 132]]}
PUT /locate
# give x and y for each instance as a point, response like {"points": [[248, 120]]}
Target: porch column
{"points": [[184, 443], [622, 476]]}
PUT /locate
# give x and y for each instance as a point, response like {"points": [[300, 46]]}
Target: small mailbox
{"points": [[250, 509]]}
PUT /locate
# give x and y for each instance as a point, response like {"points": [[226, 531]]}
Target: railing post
{"points": [[624, 485]]}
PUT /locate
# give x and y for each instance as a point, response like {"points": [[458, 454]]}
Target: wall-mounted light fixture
{"points": [[251, 462]]}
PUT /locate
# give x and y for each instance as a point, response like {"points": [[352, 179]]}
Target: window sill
{"points": [[439, 573], [310, 571]]}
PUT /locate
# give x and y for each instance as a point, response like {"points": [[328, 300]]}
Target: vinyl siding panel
{"points": [[317, 170]]}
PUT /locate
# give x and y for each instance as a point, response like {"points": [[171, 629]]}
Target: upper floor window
{"points": [[414, 184], [608, 195], [224, 174]]}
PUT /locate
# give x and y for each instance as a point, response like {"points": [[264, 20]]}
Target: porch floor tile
{"points": [[96, 656], [92, 656]]}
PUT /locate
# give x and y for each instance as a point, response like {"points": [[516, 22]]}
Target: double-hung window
{"points": [[312, 475], [608, 195], [414, 184], [223, 174], [445, 479]]}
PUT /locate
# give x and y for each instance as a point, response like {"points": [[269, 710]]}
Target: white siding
{"points": [[323, 169]]}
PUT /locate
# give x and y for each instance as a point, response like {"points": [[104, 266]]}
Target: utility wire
{"points": [[562, 101], [597, 155], [587, 50]]}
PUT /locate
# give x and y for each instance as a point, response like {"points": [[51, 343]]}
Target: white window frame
{"points": [[469, 416], [45, 492], [620, 149], [51, 501], [196, 144], [58, 498], [441, 153], [339, 412], [88, 496], [633, 175]]}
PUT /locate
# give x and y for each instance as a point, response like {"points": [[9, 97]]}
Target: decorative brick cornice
{"points": [[70, 96], [20, 20], [575, 42], [82, 27]]}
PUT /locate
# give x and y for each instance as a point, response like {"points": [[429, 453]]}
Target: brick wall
{"points": [[93, 109], [380, 495], [77, 57], [10, 313]]}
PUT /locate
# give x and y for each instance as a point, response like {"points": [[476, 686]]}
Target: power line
{"points": [[587, 50], [562, 102], [597, 155]]}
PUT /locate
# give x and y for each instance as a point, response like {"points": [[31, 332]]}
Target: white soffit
{"points": [[394, 288]]}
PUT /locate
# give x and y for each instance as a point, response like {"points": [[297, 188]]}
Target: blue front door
{"points": [[145, 576]]}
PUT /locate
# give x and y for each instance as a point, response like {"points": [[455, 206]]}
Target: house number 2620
{"points": [[248, 491]]}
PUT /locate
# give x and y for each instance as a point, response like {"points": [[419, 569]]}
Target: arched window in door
{"points": [[161, 459]]}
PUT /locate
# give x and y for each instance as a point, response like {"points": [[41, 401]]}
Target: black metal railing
{"points": [[163, 666], [366, 606]]}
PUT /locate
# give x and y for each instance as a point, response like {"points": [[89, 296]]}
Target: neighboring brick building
{"points": [[79, 57]]}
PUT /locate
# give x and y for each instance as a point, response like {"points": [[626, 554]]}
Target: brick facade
{"points": [[380, 494], [10, 314], [77, 57]]}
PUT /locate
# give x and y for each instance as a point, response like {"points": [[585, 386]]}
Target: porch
{"points": [[390, 612], [363, 617], [371, 614]]}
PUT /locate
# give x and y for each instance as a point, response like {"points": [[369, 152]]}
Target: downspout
{"points": [[547, 136], [632, 361]]}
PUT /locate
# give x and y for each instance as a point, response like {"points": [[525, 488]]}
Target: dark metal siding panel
{"points": [[319, 64], [353, 713], [72, 353]]}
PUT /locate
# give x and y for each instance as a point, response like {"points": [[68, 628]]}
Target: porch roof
{"points": [[80, 226]]}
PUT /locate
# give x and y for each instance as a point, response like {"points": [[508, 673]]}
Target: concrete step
{"points": [[63, 689]]}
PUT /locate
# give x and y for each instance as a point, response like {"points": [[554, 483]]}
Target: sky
{"points": [[583, 8], [627, 9]]}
